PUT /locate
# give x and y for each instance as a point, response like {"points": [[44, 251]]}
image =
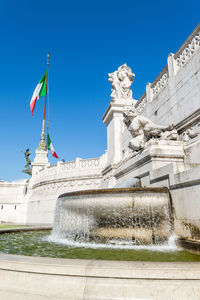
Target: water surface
{"points": [[41, 243]]}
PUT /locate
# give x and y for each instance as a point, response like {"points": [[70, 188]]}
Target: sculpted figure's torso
{"points": [[142, 129], [121, 81]]}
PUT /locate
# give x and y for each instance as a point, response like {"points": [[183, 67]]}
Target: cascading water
{"points": [[123, 216]]}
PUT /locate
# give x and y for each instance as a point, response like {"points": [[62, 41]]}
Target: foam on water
{"points": [[169, 246]]}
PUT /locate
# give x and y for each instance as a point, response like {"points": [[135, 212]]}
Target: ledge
{"points": [[25, 229], [101, 269], [117, 191], [189, 245]]}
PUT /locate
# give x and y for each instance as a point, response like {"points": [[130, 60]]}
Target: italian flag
{"points": [[50, 147], [39, 91]]}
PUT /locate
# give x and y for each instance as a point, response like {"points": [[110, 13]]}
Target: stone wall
{"points": [[34, 201], [12, 206], [49, 183], [174, 94]]}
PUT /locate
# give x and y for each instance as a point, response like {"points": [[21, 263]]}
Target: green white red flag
{"points": [[39, 91], [50, 147]]}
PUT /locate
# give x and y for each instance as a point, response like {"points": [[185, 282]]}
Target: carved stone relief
{"points": [[63, 186], [142, 130]]}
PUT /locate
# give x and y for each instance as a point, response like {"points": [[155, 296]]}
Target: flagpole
{"points": [[42, 145]]}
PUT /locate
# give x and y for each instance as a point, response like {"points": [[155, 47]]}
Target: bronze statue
{"points": [[28, 168]]}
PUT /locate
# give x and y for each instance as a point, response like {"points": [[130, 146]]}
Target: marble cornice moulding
{"points": [[11, 184], [165, 151], [109, 169], [189, 121]]}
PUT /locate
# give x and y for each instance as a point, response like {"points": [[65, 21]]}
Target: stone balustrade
{"points": [[175, 63], [81, 164], [160, 82], [141, 103], [69, 169], [191, 45]]}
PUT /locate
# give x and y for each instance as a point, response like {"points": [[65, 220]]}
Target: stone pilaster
{"points": [[149, 93], [172, 65], [113, 117]]}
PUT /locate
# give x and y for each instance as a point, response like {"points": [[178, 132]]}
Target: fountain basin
{"points": [[139, 215], [28, 278]]}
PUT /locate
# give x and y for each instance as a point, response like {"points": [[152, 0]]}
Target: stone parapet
{"points": [[28, 278]]}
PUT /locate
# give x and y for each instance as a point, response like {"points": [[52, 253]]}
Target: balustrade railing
{"points": [[186, 51], [78, 164], [191, 45], [141, 103], [160, 82]]}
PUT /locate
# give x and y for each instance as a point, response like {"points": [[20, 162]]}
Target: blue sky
{"points": [[86, 41]]}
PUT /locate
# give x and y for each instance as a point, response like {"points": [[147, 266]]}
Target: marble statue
{"points": [[142, 130], [121, 81]]}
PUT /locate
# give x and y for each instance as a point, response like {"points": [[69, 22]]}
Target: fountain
{"points": [[135, 216]]}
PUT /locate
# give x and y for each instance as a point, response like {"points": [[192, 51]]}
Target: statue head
{"points": [[125, 71], [129, 112]]}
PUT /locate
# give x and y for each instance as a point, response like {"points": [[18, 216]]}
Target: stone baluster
{"points": [[172, 65], [149, 93], [172, 70]]}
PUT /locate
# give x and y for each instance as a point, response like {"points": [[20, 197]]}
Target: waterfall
{"points": [[137, 216]]}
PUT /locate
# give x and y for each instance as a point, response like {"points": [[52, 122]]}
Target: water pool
{"points": [[41, 243]]}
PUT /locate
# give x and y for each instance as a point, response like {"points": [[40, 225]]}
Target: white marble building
{"points": [[174, 96]]}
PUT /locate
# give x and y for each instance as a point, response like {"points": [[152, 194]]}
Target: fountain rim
{"points": [[116, 191], [76, 267], [24, 273]]}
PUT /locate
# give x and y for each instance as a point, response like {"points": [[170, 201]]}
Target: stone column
{"points": [[113, 117]]}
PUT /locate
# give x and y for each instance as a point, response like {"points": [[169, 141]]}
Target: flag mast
{"points": [[42, 145]]}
